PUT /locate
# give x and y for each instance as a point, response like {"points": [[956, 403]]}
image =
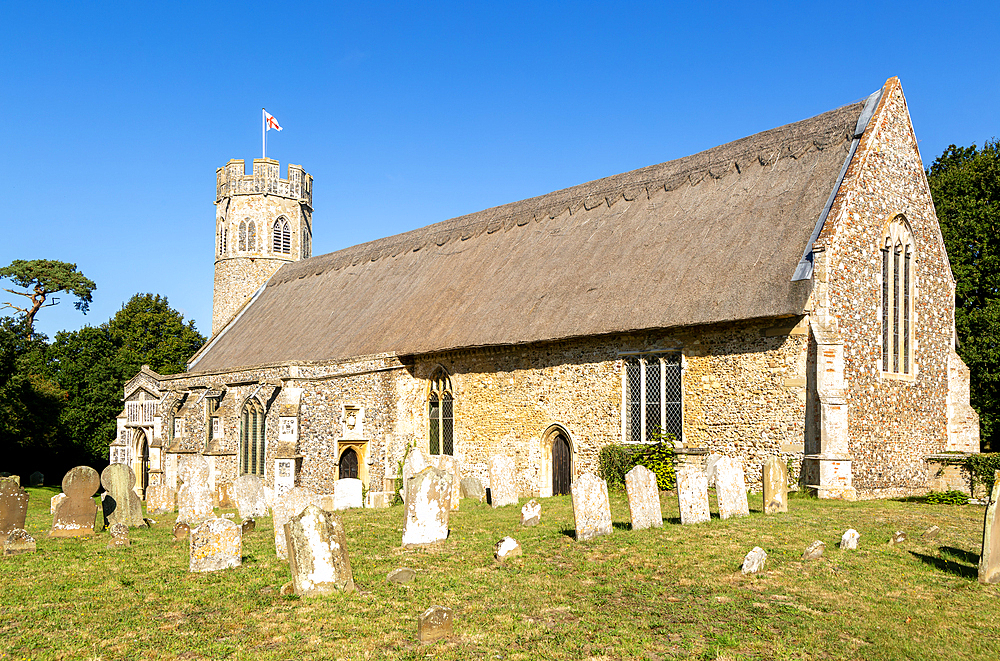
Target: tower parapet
{"points": [[232, 179]]}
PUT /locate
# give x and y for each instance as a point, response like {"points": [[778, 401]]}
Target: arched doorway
{"points": [[561, 464], [349, 464], [142, 456]]}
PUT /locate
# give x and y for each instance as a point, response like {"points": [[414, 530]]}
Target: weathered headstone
{"points": [[428, 501], [216, 544], [450, 464], [506, 549], [13, 505], [931, 533], [248, 492], [224, 495], [775, 478], [54, 502], [160, 499], [814, 551], [317, 553], [472, 488], [897, 537], [285, 507], [379, 499], [401, 576], [989, 557], [18, 541], [643, 498], [531, 513], [591, 508], [849, 540], [36, 479], [434, 624], [121, 504], [754, 560], [248, 526], [77, 515], [503, 490], [181, 531], [119, 536], [731, 488], [348, 494], [710, 463], [692, 495], [194, 498], [415, 462]]}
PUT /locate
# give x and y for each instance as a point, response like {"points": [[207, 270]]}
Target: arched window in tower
{"points": [[225, 239], [243, 236], [440, 414], [306, 244], [898, 291], [251, 236], [252, 438], [281, 236]]}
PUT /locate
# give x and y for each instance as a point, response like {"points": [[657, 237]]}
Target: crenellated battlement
{"points": [[232, 179]]}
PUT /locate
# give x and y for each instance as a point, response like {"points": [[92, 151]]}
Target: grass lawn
{"points": [[672, 593]]}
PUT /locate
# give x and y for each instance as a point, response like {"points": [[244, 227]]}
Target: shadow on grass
{"points": [[961, 554], [949, 566]]}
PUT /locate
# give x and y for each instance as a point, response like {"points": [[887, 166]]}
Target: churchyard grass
{"points": [[669, 593]]}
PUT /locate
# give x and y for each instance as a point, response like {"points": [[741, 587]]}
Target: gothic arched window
{"points": [[281, 236], [440, 414], [243, 236], [898, 288], [251, 236], [252, 438]]}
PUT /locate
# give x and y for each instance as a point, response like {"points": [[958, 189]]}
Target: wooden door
{"points": [[349, 464], [560, 465]]}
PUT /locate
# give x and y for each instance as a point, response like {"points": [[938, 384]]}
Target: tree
{"points": [[965, 184], [43, 278], [150, 332]]}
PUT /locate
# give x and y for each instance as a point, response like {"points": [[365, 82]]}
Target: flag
{"points": [[270, 122]]}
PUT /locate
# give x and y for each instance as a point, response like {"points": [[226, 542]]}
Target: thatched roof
{"points": [[713, 237]]}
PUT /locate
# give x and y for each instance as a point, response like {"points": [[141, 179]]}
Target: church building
{"points": [[785, 294]]}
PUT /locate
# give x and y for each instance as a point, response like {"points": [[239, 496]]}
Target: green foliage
{"points": [[43, 278], [982, 468], [615, 460], [965, 184], [150, 332], [946, 498]]}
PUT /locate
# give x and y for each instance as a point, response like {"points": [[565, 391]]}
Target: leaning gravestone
{"points": [[121, 504], [216, 544], [415, 462], [591, 508], [710, 464], [77, 515], [775, 486], [160, 499], [449, 464], [317, 553], [428, 501], [286, 506], [731, 488], [36, 479], [54, 502], [643, 498], [18, 541], [434, 624], [472, 488], [348, 494], [194, 499], [754, 560], [502, 488], [248, 492], [531, 513], [692, 495], [507, 549], [814, 551], [13, 505], [989, 558]]}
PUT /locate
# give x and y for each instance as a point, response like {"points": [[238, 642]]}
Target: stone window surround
{"points": [[622, 357], [243, 458], [438, 385], [898, 230]]}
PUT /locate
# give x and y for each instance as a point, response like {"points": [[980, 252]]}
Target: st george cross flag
{"points": [[271, 122]]}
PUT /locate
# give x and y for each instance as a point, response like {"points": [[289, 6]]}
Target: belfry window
{"points": [[251, 236], [242, 245], [252, 438], [652, 397], [281, 237], [898, 289], [440, 415]]}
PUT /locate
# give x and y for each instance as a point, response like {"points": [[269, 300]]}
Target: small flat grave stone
{"points": [[931, 533], [428, 502], [216, 544], [814, 551], [317, 553], [181, 531], [18, 541], [119, 536], [754, 560], [248, 526], [897, 537], [643, 498], [531, 513], [120, 503], [248, 493], [76, 516], [692, 495], [194, 498], [286, 506], [506, 549], [731, 488], [591, 508], [472, 488], [13, 506], [503, 491], [775, 478], [434, 624], [849, 540], [401, 576]]}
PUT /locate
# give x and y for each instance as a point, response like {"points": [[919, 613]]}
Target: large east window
{"points": [[651, 396], [252, 438], [440, 415], [898, 287]]}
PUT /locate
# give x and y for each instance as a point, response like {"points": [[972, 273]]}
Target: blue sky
{"points": [[116, 115]]}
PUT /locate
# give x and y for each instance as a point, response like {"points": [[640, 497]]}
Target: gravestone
{"points": [[77, 515], [710, 464], [18, 541], [643, 498], [731, 488], [814, 551], [401, 576], [531, 513], [775, 478], [989, 557], [290, 504], [450, 464], [13, 505], [434, 624], [849, 541], [348, 494], [503, 490], [692, 495], [121, 504], [224, 495], [181, 531], [119, 536], [194, 498], [472, 488], [328, 502], [506, 549], [36, 479], [54, 502], [591, 508], [897, 537], [160, 499], [415, 462], [216, 544], [379, 499], [317, 553], [754, 560], [248, 492], [931, 533], [248, 526], [428, 501]]}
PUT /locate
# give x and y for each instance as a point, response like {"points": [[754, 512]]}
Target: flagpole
{"points": [[263, 134]]}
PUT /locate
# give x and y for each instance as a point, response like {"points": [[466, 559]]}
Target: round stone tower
{"points": [[261, 222]]}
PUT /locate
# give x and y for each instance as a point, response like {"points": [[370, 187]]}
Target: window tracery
{"points": [[440, 414], [898, 289]]}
